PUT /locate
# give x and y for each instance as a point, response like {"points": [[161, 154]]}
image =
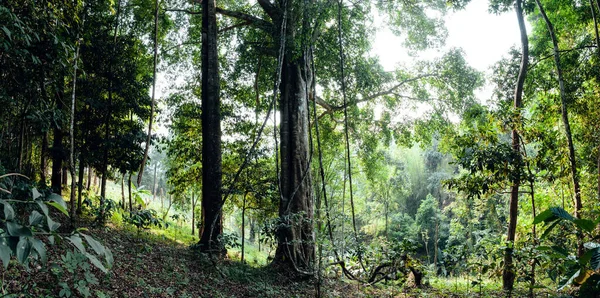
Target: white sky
{"points": [[484, 37]]}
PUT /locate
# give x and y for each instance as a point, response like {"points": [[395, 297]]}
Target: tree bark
{"points": [[72, 134], [565, 118], [57, 150], [508, 273], [154, 184], [107, 133], [211, 132], [193, 215], [243, 225], [80, 182], [295, 236], [149, 137], [123, 190], [89, 180], [129, 192], [43, 158]]}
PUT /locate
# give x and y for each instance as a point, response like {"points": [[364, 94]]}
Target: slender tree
{"points": [[149, 137], [508, 273], [565, 118]]}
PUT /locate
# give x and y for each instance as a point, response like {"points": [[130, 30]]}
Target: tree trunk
{"points": [[72, 134], [57, 151], [21, 145], [149, 137], [597, 35], [123, 191], [565, 118], [211, 132], [89, 180], [295, 236], [193, 215], [508, 273], [129, 191], [243, 225], [107, 117], [80, 182], [43, 158], [154, 184]]}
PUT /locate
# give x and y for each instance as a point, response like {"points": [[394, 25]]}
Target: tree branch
{"points": [[269, 8], [252, 20], [234, 26], [329, 109], [184, 11]]}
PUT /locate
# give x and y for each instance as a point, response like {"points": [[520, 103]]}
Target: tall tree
{"points": [[149, 137], [211, 131], [508, 273], [565, 118]]}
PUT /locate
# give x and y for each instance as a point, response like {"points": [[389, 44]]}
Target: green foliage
{"points": [[144, 219], [581, 269]]}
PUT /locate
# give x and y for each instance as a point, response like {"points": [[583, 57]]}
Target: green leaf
{"points": [[585, 224], [35, 193], [549, 229], [43, 207], [58, 199], [542, 217], [595, 259], [551, 214], [15, 229], [586, 257], [52, 225], [570, 280], [96, 262], [96, 246], [59, 207], [5, 255], [7, 32], [40, 248], [23, 249], [77, 242], [9, 212], [560, 250], [108, 256], [35, 218]]}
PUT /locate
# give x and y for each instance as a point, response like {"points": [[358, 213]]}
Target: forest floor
{"points": [[150, 265]]}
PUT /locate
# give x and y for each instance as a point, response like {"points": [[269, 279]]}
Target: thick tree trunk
{"points": [[508, 273], [211, 132], [149, 137], [295, 236], [565, 118]]}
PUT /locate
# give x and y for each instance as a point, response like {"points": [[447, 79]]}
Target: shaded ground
{"points": [[146, 265]]}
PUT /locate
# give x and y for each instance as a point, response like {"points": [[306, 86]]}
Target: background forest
{"points": [[260, 148]]}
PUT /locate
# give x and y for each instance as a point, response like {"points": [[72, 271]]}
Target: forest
{"points": [[202, 148]]}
